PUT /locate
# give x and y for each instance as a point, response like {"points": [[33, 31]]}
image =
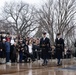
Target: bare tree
{"points": [[20, 16], [58, 16], [65, 11], [46, 18]]}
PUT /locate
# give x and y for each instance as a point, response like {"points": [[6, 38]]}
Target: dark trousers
{"points": [[59, 62], [44, 55], [32, 57], [45, 61], [36, 55], [7, 56], [13, 58], [20, 57]]}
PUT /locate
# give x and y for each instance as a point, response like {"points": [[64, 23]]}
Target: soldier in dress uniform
{"points": [[44, 45], [59, 43]]}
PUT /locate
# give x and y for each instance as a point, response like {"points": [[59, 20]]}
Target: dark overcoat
{"points": [[2, 52], [59, 43], [44, 46], [13, 53]]}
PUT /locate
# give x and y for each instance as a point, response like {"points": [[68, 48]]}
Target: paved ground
{"points": [[35, 68]]}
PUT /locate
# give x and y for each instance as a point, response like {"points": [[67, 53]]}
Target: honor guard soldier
{"points": [[59, 43], [44, 45]]}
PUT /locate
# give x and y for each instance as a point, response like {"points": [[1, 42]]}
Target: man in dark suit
{"points": [[44, 45], [59, 43]]}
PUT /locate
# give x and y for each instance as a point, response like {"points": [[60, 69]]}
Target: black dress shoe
{"points": [[43, 64], [59, 64], [33, 60]]}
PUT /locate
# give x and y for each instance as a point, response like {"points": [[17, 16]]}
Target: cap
{"points": [[58, 34], [44, 33]]}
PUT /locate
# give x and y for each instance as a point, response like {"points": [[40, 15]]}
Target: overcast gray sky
{"points": [[35, 2]]}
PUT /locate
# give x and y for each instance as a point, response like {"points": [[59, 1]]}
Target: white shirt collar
{"points": [[58, 38]]}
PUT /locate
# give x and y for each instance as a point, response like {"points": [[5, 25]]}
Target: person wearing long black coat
{"points": [[14, 53], [34, 50], [44, 45], [26, 51], [59, 42], [1, 49]]}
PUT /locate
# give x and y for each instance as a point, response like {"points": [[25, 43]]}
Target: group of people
{"points": [[29, 49]]}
